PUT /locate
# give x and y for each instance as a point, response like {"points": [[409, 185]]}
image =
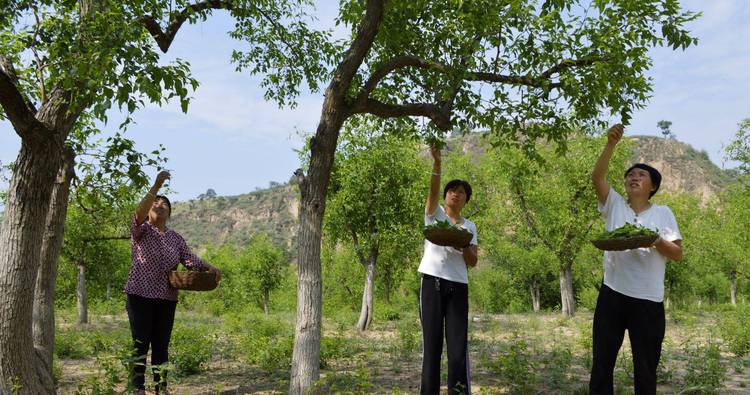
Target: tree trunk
{"points": [[732, 289], [306, 354], [265, 301], [387, 285], [668, 295], [43, 323], [566, 291], [82, 303], [365, 315], [534, 288], [21, 236]]}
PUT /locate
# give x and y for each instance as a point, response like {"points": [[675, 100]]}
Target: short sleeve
{"points": [[438, 215], [474, 240], [669, 230], [136, 230], [612, 198]]}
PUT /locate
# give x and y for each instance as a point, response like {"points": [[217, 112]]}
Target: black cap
{"points": [[655, 175]]}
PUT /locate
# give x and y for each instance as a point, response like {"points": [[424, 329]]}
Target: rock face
{"points": [[683, 168], [233, 219]]}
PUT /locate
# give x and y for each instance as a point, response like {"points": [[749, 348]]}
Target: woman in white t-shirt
{"points": [[632, 292], [444, 289]]}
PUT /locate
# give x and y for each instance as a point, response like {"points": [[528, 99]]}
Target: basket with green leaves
{"points": [[193, 280], [626, 237], [445, 234]]}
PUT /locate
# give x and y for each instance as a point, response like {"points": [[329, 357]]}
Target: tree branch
{"points": [[164, 38], [404, 61], [347, 69], [20, 113], [386, 110]]}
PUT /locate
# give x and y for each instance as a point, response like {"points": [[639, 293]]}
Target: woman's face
{"points": [[638, 182], [456, 197], [159, 210]]}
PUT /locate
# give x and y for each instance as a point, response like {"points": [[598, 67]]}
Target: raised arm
{"points": [[141, 213], [599, 175], [434, 196]]}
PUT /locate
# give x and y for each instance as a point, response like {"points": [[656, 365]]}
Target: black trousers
{"points": [[644, 320], [151, 322], [443, 305]]}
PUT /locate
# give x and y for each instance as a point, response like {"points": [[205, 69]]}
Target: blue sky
{"points": [[233, 141]]}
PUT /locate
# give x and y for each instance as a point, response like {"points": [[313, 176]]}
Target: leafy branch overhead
{"points": [[514, 68]]}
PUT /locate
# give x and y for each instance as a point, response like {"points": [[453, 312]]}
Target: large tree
{"points": [[61, 61], [524, 69], [375, 201]]}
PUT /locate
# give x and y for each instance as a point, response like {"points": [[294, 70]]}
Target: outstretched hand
{"points": [[161, 177], [614, 134]]}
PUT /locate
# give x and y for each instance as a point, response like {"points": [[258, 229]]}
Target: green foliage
{"points": [[517, 367], [191, 348], [733, 326], [705, 371], [82, 344], [739, 149], [375, 201], [626, 231], [356, 382]]}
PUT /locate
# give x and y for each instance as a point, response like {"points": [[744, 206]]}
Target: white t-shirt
{"points": [[445, 262], [637, 273]]}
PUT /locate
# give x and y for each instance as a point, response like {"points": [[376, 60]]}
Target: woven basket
{"points": [[192, 280], [624, 244], [448, 237]]}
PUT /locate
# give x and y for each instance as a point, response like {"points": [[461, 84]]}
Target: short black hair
{"points": [[453, 184], [653, 173], [166, 200]]}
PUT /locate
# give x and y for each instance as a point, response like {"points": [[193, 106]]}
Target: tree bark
{"points": [[82, 303], [21, 236], [567, 298], [306, 354], [365, 315], [534, 289], [43, 321], [265, 301], [387, 286], [668, 295], [732, 289]]}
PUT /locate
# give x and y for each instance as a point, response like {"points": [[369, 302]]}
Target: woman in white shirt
{"points": [[632, 292], [444, 289]]}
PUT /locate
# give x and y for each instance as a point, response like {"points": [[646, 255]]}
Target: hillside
{"points": [[232, 219]]}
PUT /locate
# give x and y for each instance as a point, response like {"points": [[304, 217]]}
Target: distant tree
{"points": [[210, 194], [665, 128], [553, 202], [375, 200], [739, 149], [266, 263]]}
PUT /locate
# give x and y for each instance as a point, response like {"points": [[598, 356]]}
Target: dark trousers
{"points": [[644, 320], [151, 323], [444, 305]]}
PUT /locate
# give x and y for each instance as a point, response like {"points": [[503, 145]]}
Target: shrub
{"points": [[704, 370], [190, 349], [734, 330]]}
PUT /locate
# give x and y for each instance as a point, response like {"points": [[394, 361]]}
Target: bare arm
{"points": [[141, 213], [470, 255], [670, 249], [599, 175], [434, 196]]}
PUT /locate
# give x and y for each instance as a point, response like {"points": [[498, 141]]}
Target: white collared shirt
{"points": [[637, 273], [445, 262]]}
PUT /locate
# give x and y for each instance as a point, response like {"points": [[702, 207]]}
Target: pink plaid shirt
{"points": [[155, 254]]}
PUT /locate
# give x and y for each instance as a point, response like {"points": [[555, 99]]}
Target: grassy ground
{"points": [[519, 354]]}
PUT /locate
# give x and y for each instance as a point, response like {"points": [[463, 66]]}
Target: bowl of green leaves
{"points": [[445, 234], [626, 237]]}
